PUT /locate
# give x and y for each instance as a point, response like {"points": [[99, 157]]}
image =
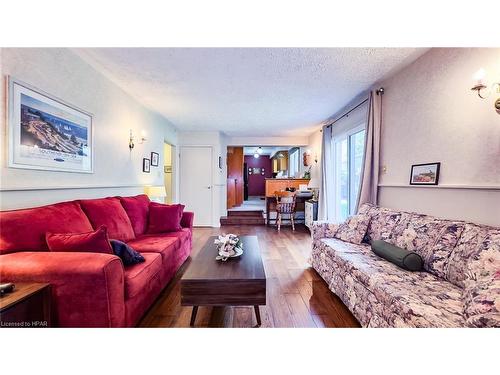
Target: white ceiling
{"points": [[247, 91]]}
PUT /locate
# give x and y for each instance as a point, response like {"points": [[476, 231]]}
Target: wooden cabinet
{"points": [[235, 173], [278, 184]]}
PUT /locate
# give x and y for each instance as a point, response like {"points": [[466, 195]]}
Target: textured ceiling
{"points": [[247, 91]]}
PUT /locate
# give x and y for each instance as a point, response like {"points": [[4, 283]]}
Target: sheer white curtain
{"points": [[326, 209], [368, 192]]}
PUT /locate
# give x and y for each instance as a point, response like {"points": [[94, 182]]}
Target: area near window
{"points": [[348, 151]]}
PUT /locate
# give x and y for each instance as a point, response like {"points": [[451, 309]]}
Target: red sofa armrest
{"points": [[187, 219], [87, 288]]}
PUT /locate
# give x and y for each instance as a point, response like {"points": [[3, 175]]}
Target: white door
{"points": [[196, 182]]}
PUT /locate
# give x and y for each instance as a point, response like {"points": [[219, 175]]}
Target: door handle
{"points": [[209, 187]]}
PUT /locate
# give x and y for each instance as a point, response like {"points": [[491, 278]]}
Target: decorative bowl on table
{"points": [[228, 246]]}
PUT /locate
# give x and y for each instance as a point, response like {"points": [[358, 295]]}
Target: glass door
{"points": [[349, 152]]}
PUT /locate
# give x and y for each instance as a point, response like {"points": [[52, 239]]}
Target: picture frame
{"points": [[47, 133], [155, 159], [425, 174], [146, 165]]}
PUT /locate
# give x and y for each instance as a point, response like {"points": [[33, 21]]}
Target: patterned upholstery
{"points": [[460, 287]]}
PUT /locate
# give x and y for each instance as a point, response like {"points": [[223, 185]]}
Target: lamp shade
{"points": [[314, 183], [155, 191]]}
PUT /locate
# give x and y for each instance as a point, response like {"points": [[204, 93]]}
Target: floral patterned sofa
{"points": [[460, 286]]}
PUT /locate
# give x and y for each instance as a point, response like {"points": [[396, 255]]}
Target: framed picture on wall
{"points": [[425, 174], [155, 159], [47, 133], [146, 165]]}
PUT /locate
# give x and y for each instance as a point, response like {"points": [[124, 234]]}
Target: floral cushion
{"points": [[465, 251], [323, 229], [482, 282], [433, 239], [383, 223], [353, 229]]}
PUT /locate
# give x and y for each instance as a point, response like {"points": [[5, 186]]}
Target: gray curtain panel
{"points": [[368, 192], [326, 209]]}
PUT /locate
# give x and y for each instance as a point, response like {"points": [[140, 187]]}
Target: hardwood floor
{"points": [[296, 294]]}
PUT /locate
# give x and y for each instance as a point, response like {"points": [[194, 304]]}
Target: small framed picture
{"points": [[146, 165], [425, 174], [155, 159]]}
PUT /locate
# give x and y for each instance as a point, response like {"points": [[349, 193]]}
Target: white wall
{"points": [[63, 74], [314, 145], [431, 115], [217, 141]]}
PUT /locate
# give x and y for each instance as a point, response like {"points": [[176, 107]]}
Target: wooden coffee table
{"points": [[237, 282]]}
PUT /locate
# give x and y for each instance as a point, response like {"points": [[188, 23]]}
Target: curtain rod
{"points": [[349, 111], [380, 91]]}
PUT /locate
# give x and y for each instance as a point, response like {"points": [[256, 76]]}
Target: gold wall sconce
{"points": [[131, 143], [481, 87]]}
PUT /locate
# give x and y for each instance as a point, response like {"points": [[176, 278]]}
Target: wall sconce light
{"points": [[482, 88], [131, 143]]}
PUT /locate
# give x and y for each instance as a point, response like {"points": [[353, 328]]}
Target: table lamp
{"points": [[156, 193]]}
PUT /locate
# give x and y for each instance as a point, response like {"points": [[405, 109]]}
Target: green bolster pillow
{"points": [[400, 257]]}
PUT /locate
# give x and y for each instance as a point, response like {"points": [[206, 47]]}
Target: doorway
{"points": [[195, 171], [168, 172]]}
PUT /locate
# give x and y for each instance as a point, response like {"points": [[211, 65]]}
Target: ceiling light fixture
{"points": [[256, 155], [259, 150]]}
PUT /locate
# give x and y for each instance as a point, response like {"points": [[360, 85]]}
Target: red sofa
{"points": [[93, 289]]}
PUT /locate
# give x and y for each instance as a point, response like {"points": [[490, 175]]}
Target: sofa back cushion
{"points": [[474, 240], [24, 230], [137, 209], [110, 213], [482, 277], [383, 222]]}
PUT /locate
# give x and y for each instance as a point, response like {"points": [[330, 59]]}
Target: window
{"points": [[348, 154], [293, 169]]}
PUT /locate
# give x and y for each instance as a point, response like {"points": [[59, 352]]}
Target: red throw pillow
{"points": [[165, 217], [89, 242]]}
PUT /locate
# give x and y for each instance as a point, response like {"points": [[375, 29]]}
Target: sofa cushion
{"points": [[91, 242], [384, 222], [140, 275], [137, 209], [126, 253], [418, 298], [24, 230], [353, 229], [155, 243], [402, 258], [109, 212], [432, 238], [165, 217], [468, 249], [482, 282]]}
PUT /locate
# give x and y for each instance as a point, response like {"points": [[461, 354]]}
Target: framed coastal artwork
{"points": [[47, 133], [425, 174]]}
